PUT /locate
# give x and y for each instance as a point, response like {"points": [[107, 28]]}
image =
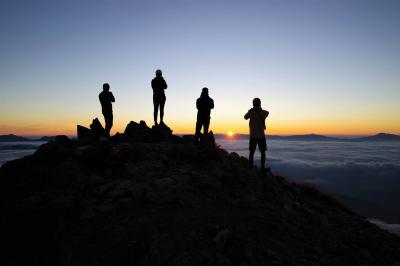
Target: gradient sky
{"points": [[319, 66]]}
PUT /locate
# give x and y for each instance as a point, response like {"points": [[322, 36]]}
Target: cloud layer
{"points": [[364, 175]]}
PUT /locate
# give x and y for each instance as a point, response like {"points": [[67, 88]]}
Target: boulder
{"points": [[147, 201], [62, 139], [97, 129], [137, 132], [161, 132], [208, 140], [96, 154], [84, 135], [188, 138]]}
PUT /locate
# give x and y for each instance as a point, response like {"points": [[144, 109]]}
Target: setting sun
{"points": [[230, 133]]}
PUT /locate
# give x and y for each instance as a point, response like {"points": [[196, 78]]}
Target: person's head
{"points": [[106, 87], [256, 102], [204, 92], [158, 73]]}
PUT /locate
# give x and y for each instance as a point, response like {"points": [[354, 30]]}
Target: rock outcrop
{"points": [[147, 197]]}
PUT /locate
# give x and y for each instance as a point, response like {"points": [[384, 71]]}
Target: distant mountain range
{"points": [[15, 138], [315, 137], [12, 137], [307, 137], [381, 137]]}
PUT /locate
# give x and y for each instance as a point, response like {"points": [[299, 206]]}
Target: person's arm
{"points": [[112, 97], [266, 113], [197, 104], [211, 104], [247, 115], [165, 85]]}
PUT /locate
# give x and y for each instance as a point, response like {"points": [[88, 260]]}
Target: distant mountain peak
{"points": [[12, 137], [381, 137], [384, 134]]}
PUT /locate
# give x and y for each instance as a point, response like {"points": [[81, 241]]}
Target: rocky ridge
{"points": [[147, 197]]}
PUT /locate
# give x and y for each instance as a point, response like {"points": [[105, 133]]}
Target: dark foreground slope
{"points": [[171, 202]]}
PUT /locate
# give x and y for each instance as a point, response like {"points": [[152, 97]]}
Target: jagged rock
{"points": [[60, 149], [84, 135], [105, 208], [62, 139], [135, 132], [162, 183], [220, 239], [96, 154], [161, 132], [188, 138], [137, 191], [150, 198], [123, 204], [131, 168], [118, 137], [87, 136], [208, 139], [97, 129]]}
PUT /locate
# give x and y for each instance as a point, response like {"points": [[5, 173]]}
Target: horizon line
{"points": [[218, 133]]}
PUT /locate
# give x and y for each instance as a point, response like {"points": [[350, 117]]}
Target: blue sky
{"points": [[318, 66]]}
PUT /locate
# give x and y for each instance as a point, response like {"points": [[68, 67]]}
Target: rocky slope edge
{"points": [[150, 198]]}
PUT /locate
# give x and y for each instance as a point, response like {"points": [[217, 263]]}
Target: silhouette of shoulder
{"points": [[158, 84], [205, 103], [106, 97], [252, 113]]}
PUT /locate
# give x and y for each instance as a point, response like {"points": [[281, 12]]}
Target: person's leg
{"points": [[198, 129], [262, 159], [106, 125], [262, 145], [251, 159], [111, 122], [162, 103], [108, 118], [252, 148], [206, 126], [155, 113]]}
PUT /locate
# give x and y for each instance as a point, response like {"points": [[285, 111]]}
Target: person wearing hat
{"points": [[158, 85], [204, 105], [257, 118]]}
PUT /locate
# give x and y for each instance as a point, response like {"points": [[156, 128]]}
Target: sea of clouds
{"points": [[14, 150], [364, 175]]}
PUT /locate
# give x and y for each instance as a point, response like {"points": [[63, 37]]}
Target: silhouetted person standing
{"points": [[106, 99], [257, 118], [204, 104], [159, 85]]}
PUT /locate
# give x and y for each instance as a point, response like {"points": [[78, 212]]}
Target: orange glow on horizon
{"points": [[275, 126], [230, 129]]}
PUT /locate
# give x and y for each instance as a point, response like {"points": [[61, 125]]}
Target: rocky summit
{"points": [[147, 197]]}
